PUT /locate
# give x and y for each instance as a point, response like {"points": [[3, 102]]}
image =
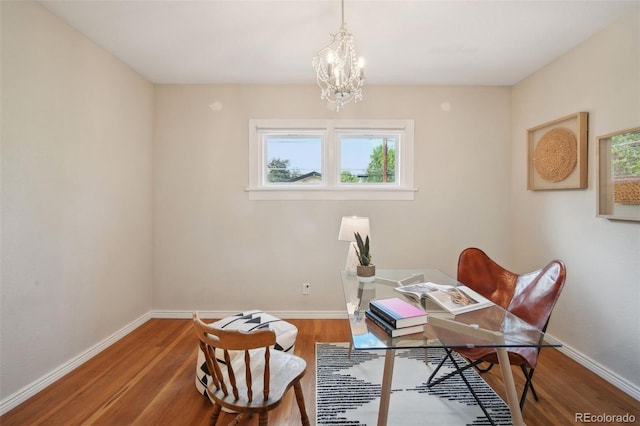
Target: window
{"points": [[367, 159], [293, 158], [331, 159]]}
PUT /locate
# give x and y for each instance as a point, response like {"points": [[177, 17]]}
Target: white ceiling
{"points": [[444, 42]]}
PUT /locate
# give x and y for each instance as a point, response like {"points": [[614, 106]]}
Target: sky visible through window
{"points": [[305, 155]]}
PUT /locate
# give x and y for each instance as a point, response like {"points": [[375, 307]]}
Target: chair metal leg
{"points": [[483, 370], [528, 375], [431, 382], [442, 361], [533, 390], [460, 370]]}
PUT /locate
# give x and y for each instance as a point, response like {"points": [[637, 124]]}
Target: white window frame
{"points": [[331, 188]]}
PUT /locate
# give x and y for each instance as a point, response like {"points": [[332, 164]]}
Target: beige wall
{"points": [[76, 194], [598, 313], [216, 250], [80, 255]]}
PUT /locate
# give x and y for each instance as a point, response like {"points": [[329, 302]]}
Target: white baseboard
{"points": [[36, 386], [617, 381], [280, 314]]}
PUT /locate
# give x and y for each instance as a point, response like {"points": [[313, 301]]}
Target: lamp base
{"points": [[352, 259]]}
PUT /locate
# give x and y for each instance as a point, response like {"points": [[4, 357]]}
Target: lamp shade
{"points": [[352, 224]]}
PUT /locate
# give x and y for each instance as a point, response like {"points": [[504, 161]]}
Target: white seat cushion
{"points": [[286, 334]]}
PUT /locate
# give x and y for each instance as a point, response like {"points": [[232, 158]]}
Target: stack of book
{"points": [[396, 317]]}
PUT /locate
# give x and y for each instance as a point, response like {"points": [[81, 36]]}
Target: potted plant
{"points": [[366, 270]]}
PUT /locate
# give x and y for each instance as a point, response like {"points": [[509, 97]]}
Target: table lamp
{"points": [[348, 227]]}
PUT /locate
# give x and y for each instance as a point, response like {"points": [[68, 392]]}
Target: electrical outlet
{"points": [[306, 288]]}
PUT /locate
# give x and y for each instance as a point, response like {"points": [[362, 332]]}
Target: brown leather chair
{"points": [[529, 296], [247, 376]]}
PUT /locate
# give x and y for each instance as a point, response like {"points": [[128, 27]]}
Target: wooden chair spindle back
{"points": [[225, 344]]}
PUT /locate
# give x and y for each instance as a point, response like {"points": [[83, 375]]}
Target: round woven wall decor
{"points": [[555, 155]]}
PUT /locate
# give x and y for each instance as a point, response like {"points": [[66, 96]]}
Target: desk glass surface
{"points": [[367, 335]]}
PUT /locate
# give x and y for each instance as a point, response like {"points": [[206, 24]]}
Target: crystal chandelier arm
{"points": [[339, 68]]}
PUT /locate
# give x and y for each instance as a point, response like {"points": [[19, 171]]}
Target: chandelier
{"points": [[339, 69]]}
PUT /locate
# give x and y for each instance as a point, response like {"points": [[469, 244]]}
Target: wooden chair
{"points": [[529, 296], [247, 376], [247, 321]]}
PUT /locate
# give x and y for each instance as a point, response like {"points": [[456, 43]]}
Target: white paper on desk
{"points": [[459, 300], [435, 286], [419, 292], [421, 288]]}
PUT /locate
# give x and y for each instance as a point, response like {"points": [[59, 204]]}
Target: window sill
{"points": [[324, 193]]}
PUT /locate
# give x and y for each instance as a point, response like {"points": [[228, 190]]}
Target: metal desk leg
{"points": [[387, 377], [510, 387]]}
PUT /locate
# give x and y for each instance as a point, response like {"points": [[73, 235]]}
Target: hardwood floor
{"points": [[147, 378]]}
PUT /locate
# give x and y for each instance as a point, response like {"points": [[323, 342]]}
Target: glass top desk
{"points": [[487, 327]]}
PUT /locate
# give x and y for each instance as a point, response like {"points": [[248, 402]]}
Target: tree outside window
{"points": [[625, 155]]}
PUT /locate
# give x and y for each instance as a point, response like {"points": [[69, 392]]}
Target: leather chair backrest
{"points": [[479, 272], [536, 294], [530, 296]]}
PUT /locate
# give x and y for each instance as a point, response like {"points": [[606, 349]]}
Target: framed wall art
{"points": [[618, 170], [557, 154]]}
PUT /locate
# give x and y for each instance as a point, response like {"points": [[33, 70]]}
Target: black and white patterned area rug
{"points": [[348, 390]]}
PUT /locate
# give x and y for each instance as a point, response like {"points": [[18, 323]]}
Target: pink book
{"points": [[398, 313]]}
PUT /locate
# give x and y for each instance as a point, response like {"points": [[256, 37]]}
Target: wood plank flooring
{"points": [[147, 378]]}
